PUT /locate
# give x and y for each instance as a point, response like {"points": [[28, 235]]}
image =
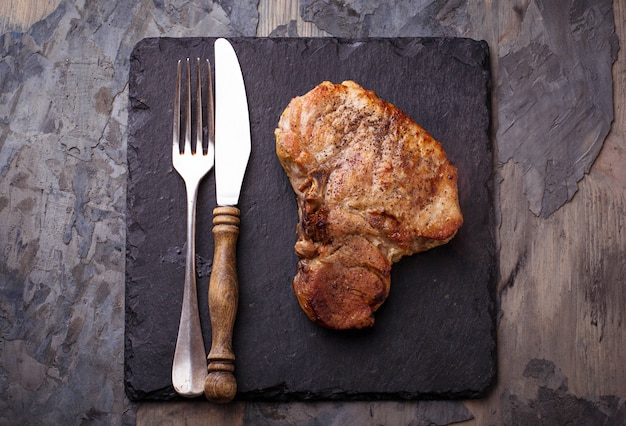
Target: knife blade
{"points": [[232, 151], [232, 127]]}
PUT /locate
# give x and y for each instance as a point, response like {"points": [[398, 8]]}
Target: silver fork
{"points": [[189, 368]]}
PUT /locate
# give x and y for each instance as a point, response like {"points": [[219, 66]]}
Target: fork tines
{"points": [[199, 129]]}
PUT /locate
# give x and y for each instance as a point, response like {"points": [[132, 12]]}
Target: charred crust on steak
{"points": [[314, 224]]}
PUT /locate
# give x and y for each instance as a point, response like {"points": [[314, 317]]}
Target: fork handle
{"points": [[220, 384]]}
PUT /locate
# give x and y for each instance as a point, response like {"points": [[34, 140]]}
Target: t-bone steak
{"points": [[371, 186]]}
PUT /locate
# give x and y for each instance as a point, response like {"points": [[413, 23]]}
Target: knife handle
{"points": [[220, 384]]}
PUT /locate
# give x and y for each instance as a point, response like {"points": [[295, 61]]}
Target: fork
{"points": [[189, 368]]}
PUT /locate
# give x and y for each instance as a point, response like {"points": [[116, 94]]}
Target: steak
{"points": [[372, 186]]}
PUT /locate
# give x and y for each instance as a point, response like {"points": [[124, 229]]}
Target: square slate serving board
{"points": [[435, 334]]}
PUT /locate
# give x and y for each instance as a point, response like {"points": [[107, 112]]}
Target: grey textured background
{"points": [[63, 112]]}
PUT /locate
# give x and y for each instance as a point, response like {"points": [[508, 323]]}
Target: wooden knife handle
{"points": [[220, 385]]}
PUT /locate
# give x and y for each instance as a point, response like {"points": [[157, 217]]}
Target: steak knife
{"points": [[232, 151]]}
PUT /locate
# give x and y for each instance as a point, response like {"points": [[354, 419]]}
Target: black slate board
{"points": [[434, 336]]}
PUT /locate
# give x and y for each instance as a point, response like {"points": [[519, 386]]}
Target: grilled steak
{"points": [[371, 186]]}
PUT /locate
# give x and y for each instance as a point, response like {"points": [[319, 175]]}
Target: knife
{"points": [[232, 151]]}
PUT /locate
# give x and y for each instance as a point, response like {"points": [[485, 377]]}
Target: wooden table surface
{"points": [[562, 288]]}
